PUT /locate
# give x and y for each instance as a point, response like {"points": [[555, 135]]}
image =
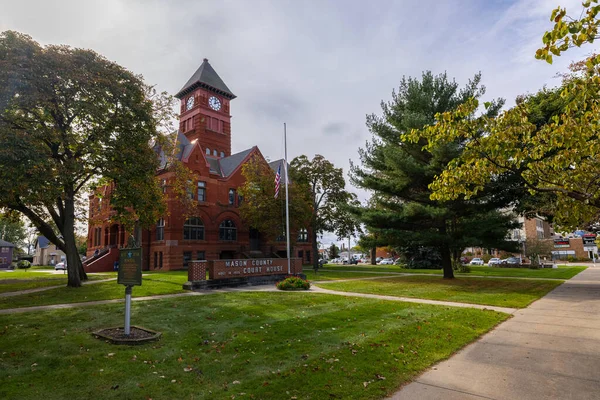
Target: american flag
{"points": [[277, 181]]}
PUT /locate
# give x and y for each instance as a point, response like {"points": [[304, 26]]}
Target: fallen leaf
{"points": [[188, 369], [235, 382]]}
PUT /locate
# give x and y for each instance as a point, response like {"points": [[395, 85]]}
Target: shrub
{"points": [[422, 258], [293, 283], [486, 258], [460, 267], [23, 264]]}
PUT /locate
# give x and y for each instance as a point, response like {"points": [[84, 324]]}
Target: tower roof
{"points": [[206, 77]]}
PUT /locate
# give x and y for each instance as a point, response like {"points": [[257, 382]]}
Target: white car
{"points": [[60, 266], [477, 261], [494, 261], [386, 261]]}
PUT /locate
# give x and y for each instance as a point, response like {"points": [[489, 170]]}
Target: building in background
{"points": [[6, 253], [46, 253], [215, 230]]}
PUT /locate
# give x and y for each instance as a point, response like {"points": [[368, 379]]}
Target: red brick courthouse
{"points": [[216, 231]]}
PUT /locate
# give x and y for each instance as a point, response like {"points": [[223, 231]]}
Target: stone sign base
{"points": [[232, 273], [236, 282]]}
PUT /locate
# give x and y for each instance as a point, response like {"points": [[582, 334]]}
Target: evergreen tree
{"points": [[334, 251], [399, 172]]}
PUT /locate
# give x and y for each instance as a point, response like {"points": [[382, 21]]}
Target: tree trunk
{"points": [[447, 262], [374, 255], [75, 270]]}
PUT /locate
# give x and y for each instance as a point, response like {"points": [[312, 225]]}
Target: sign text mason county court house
{"points": [[216, 231]]}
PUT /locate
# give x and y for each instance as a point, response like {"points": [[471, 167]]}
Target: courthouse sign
{"points": [[223, 269]]}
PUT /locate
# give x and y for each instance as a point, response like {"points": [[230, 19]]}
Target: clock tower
{"points": [[205, 114]]}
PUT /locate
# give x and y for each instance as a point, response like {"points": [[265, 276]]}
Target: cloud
{"points": [[319, 66], [334, 128]]}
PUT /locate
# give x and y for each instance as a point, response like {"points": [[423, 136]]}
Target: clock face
{"points": [[214, 103], [190, 103]]}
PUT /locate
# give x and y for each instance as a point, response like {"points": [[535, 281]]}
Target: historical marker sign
{"points": [[130, 267]]}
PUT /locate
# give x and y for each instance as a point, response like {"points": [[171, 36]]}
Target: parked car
{"points": [[322, 261], [60, 266], [386, 261], [477, 261], [512, 260], [494, 261], [464, 260], [378, 259]]}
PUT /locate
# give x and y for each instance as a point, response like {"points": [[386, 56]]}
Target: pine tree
{"points": [[399, 173]]}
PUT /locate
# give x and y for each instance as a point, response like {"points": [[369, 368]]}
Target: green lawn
{"points": [[360, 267], [12, 283], [235, 345], [325, 275], [516, 293], [562, 272], [151, 285], [27, 274]]}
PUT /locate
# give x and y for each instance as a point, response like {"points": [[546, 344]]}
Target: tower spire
{"points": [[206, 77]]}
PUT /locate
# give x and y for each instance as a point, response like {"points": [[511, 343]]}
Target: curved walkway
{"points": [[414, 300], [313, 289], [392, 274], [549, 350]]}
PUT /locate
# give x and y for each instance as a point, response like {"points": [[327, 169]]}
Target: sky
{"points": [[319, 66]]}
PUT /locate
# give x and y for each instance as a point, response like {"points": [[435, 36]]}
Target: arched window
{"points": [[222, 154], [193, 229], [231, 197], [207, 151], [215, 152], [227, 231], [303, 235], [160, 229]]}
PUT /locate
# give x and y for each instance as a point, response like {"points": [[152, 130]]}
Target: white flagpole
{"points": [[287, 204]]}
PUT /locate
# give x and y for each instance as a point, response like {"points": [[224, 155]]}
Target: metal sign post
{"points": [[130, 274], [127, 310]]}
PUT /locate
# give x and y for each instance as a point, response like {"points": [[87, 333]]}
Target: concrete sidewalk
{"points": [[550, 350]]}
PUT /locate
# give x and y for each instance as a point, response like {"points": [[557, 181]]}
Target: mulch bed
{"points": [[136, 333]]}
